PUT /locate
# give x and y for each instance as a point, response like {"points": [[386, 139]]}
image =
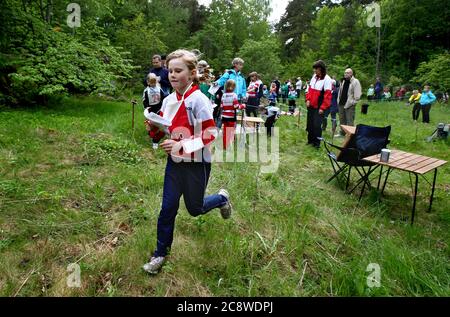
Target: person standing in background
{"points": [[298, 87], [414, 100], [348, 97], [378, 89], [161, 73], [236, 75], [426, 100], [278, 86], [318, 100]]}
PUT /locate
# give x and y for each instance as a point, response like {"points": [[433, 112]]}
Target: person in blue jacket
{"points": [[236, 75], [426, 100]]}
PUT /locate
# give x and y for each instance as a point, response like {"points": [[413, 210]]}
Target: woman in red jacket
{"points": [[318, 100]]}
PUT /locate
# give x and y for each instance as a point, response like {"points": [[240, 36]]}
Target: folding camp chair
{"points": [[366, 141]]}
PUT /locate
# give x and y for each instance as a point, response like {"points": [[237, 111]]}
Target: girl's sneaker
{"points": [[154, 265], [225, 210]]}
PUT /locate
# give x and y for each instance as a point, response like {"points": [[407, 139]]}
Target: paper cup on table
{"points": [[385, 154]]}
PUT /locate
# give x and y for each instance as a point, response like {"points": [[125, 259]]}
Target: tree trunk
{"points": [[41, 9], [49, 11], [377, 71]]}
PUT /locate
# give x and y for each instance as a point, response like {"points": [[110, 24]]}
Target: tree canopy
{"points": [[41, 56]]}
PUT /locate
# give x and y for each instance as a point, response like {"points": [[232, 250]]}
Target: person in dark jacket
{"points": [[161, 73], [334, 109], [378, 89], [278, 84]]}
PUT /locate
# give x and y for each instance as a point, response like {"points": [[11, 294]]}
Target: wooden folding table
{"points": [[412, 163]]}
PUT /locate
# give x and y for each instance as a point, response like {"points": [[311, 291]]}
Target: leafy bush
{"points": [[50, 62], [261, 56], [435, 72]]}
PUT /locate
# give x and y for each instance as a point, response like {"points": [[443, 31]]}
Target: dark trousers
{"points": [[416, 111], [325, 119], [252, 106], [314, 126], [426, 113], [249, 110], [217, 114], [270, 121], [378, 96], [298, 93], [190, 180], [292, 105]]}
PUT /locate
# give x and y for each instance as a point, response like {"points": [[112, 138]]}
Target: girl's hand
{"points": [[148, 125], [169, 145]]}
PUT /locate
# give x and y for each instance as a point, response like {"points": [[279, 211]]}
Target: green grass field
{"points": [[76, 186]]}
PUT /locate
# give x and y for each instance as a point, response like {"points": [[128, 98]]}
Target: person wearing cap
{"points": [[348, 97], [318, 100]]}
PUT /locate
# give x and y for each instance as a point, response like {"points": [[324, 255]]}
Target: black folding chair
{"points": [[366, 141]]}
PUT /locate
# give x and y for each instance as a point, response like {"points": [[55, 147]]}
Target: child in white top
{"points": [[191, 131]]}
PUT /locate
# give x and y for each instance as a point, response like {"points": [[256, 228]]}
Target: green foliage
{"points": [[142, 40], [40, 56], [435, 72], [244, 19], [395, 81], [216, 46], [100, 151], [411, 31], [295, 22], [69, 65], [261, 56], [50, 62]]}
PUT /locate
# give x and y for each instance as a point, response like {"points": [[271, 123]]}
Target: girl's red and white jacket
{"points": [[229, 105], [193, 123], [316, 86], [252, 90]]}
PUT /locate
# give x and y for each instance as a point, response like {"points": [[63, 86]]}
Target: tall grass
{"points": [[77, 185]]}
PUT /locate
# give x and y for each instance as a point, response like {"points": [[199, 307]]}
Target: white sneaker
{"points": [[155, 146], [154, 265], [225, 211]]}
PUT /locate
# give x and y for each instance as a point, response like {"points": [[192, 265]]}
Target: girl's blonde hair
{"points": [[190, 60], [230, 85], [152, 79]]}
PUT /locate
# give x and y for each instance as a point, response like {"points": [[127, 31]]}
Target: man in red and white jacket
{"points": [[318, 100]]}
